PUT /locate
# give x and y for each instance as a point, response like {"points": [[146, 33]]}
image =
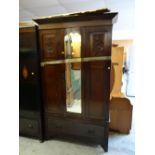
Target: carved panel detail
{"points": [[49, 45], [97, 43]]}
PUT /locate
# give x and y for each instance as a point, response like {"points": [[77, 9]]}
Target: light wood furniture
{"points": [[120, 114], [117, 61], [120, 106]]}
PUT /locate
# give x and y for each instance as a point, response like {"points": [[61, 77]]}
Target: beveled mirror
{"points": [[73, 70]]}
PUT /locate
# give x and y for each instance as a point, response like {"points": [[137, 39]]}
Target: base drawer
{"points": [[29, 127], [58, 127]]}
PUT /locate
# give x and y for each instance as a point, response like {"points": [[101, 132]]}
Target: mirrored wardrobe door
{"points": [[72, 44]]}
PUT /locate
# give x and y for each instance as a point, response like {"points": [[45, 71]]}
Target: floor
{"points": [[119, 144]]}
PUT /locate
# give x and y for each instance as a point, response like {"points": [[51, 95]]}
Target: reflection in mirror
{"points": [[73, 88], [72, 44], [73, 71]]}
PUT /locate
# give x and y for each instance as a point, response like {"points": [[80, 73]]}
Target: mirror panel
{"points": [[72, 43], [73, 71]]}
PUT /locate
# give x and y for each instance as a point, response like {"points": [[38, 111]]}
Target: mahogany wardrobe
{"points": [[74, 76]]}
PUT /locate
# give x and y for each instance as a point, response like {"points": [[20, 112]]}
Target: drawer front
{"points": [[58, 127], [29, 127]]}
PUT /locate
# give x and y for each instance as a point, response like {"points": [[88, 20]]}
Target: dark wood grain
{"points": [[79, 17], [96, 41], [30, 103], [96, 31], [53, 77], [96, 89], [52, 44], [27, 40]]}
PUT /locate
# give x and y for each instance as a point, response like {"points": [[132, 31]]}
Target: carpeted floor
{"points": [[119, 144]]}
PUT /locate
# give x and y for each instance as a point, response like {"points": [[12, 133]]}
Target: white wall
{"points": [[124, 28]]}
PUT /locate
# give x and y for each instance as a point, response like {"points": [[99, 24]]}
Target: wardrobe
{"points": [[75, 54], [30, 104], [65, 66]]}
